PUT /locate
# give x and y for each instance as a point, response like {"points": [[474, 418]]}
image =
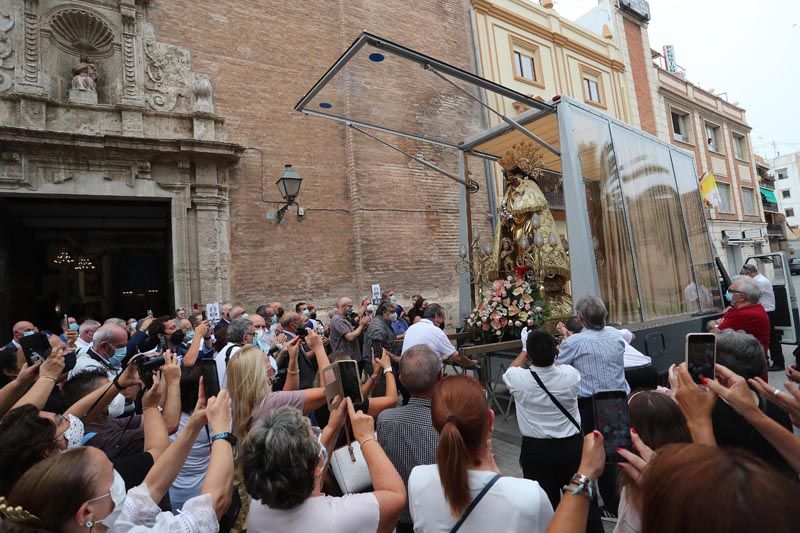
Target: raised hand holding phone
{"points": [[701, 355], [611, 419]]}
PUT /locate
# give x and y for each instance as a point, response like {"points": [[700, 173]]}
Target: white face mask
{"points": [[117, 406], [74, 435], [118, 493]]}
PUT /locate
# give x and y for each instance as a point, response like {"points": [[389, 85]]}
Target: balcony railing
{"points": [[775, 230], [769, 206]]}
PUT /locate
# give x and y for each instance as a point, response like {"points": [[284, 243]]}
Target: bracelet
{"points": [[50, 377], [580, 484], [293, 371], [388, 369], [116, 383], [363, 442]]}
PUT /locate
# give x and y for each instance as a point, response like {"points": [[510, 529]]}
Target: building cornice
{"points": [[486, 7], [697, 106]]}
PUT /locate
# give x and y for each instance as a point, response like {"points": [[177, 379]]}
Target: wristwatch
{"points": [[580, 484], [228, 436], [388, 369]]}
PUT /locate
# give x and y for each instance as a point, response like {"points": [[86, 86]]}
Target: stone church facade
{"points": [[190, 103]]}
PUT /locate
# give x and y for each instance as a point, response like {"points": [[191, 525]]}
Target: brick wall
{"points": [[639, 65], [373, 216]]}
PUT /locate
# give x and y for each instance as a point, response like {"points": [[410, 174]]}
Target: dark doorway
{"points": [[85, 258]]}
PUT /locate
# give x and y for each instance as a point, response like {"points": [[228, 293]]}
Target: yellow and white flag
{"points": [[708, 188]]}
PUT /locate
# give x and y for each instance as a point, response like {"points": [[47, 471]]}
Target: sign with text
{"points": [[754, 233], [212, 312], [669, 57], [376, 293]]}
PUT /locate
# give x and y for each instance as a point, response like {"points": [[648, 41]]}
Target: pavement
{"points": [[506, 437]]}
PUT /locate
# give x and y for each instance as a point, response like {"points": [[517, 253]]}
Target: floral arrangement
{"points": [[512, 305]]}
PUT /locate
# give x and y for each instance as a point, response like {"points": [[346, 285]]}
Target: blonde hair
{"points": [[247, 385]]}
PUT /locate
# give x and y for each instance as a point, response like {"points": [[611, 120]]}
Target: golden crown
{"points": [[524, 156], [16, 513]]}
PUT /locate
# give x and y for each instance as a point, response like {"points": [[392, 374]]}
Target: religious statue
{"points": [[506, 257], [524, 207], [84, 75]]}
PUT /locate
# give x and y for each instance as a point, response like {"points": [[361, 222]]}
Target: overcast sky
{"points": [[747, 48]]}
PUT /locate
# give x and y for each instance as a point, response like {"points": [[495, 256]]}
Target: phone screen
{"points": [[611, 419], [163, 342], [36, 347], [700, 355], [348, 373], [210, 377], [377, 349]]}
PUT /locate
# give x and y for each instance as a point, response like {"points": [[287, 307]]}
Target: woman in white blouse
{"points": [[79, 490], [465, 476]]}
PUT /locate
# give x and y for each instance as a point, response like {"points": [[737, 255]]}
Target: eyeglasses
{"points": [[323, 451]]}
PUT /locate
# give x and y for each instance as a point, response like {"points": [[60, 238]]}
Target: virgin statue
{"points": [[522, 199]]}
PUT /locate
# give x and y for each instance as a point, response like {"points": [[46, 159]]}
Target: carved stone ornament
{"points": [[80, 31], [167, 74], [6, 65]]}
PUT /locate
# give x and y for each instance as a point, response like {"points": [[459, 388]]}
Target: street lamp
{"points": [[289, 186]]}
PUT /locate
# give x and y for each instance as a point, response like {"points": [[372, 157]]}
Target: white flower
{"points": [[518, 324], [499, 332]]}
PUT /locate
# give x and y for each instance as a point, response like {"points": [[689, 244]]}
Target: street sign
{"points": [[754, 233], [212, 312], [376, 293], [669, 56]]}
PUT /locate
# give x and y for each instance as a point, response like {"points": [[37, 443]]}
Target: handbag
{"points": [[349, 467], [556, 402]]}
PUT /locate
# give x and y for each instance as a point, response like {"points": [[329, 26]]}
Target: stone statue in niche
{"points": [[84, 75]]}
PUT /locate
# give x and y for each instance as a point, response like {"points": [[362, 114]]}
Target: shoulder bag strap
{"points": [[475, 502], [556, 402], [228, 353]]}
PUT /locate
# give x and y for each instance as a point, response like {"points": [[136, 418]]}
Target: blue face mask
{"points": [[273, 320], [729, 296], [28, 333], [134, 325], [306, 313], [74, 326], [189, 336], [119, 355]]}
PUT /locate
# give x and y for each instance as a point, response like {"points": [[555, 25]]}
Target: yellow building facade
{"points": [[533, 50]]}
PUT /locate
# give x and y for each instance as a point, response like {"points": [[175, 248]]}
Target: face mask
{"points": [[273, 320], [117, 406], [134, 325], [119, 355], [117, 493], [306, 313], [177, 337], [28, 333], [74, 326], [348, 309], [393, 299], [392, 317], [74, 434], [244, 315], [189, 336], [729, 296]]}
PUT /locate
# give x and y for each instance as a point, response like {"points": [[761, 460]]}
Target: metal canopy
{"points": [[380, 85]]}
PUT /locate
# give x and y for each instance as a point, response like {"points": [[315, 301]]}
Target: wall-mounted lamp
{"points": [[289, 186]]}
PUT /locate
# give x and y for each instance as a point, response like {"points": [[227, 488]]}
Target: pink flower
{"points": [[527, 307], [530, 322], [538, 309], [518, 324], [497, 285]]}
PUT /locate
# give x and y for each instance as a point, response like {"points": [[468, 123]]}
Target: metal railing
{"points": [[775, 230]]}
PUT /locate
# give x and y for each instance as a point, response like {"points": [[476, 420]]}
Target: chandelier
{"points": [[63, 257], [542, 251], [482, 264], [84, 263]]}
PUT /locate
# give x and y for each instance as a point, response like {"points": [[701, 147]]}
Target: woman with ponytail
{"points": [[464, 490]]}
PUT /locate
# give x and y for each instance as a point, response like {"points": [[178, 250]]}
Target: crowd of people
{"points": [[115, 427]]}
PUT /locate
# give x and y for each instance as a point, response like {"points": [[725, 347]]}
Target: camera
{"points": [[302, 332], [146, 367]]}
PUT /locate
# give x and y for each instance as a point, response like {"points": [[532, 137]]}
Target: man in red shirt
{"points": [[745, 313]]}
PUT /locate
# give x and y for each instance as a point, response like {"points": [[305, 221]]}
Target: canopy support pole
{"points": [[511, 122], [470, 185]]}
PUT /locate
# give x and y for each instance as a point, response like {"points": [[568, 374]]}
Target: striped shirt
{"points": [[409, 439], [599, 356]]}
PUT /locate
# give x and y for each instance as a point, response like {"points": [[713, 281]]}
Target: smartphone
{"points": [[701, 355], [302, 332], [341, 381], [377, 349], [210, 377], [163, 342], [150, 313], [36, 347], [611, 419]]}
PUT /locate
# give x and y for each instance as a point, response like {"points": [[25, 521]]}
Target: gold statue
{"points": [[522, 166]]}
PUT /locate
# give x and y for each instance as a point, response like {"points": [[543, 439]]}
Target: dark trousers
{"points": [[607, 484], [641, 377], [775, 347], [404, 528], [551, 463]]}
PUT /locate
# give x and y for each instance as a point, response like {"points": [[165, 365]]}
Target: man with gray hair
{"points": [[598, 354], [745, 313], [85, 334], [107, 351], [240, 332], [767, 301], [406, 433]]}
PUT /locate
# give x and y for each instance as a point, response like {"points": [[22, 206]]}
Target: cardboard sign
{"points": [[212, 312], [376, 293]]}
